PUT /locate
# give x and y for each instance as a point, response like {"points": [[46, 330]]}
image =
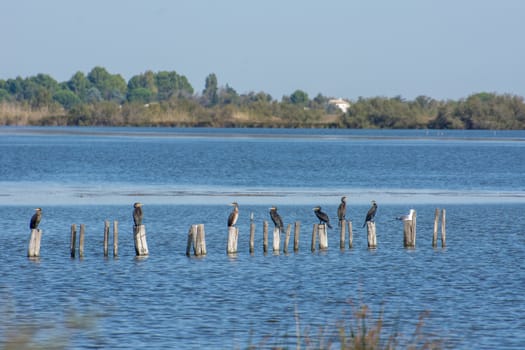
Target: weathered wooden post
{"points": [[81, 241], [106, 237], [276, 239], [141, 245], [414, 227], [443, 228], [371, 234], [252, 236], [200, 247], [323, 236], [233, 234], [265, 236], [342, 233], [191, 237], [287, 238], [197, 239], [115, 238], [409, 230], [314, 237], [73, 240], [296, 232], [33, 249], [436, 223], [350, 235], [407, 226]]}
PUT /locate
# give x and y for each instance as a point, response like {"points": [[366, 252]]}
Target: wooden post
{"points": [[407, 227], [106, 237], [323, 236], [191, 235], [73, 240], [414, 228], [115, 238], [443, 228], [33, 249], [436, 222], [287, 238], [371, 230], [296, 232], [200, 246], [141, 245], [314, 237], [350, 235], [276, 239], [233, 234], [252, 237], [265, 236], [81, 241], [197, 239], [342, 233]]}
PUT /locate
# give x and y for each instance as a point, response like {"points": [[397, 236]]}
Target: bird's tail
{"points": [[364, 224], [329, 226]]}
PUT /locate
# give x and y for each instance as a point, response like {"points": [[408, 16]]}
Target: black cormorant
{"points": [[35, 219], [323, 218], [371, 213], [276, 218], [341, 210], [137, 213], [234, 215]]}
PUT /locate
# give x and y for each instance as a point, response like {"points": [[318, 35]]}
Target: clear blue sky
{"points": [[445, 49]]}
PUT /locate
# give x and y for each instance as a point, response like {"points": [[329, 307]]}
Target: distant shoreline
{"points": [[317, 133]]}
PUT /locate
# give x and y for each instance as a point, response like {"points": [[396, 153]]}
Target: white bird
{"points": [[409, 216]]}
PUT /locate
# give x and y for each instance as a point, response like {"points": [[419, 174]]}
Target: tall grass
{"points": [[361, 331]]}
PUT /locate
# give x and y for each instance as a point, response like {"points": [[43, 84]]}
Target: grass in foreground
{"points": [[361, 332]]}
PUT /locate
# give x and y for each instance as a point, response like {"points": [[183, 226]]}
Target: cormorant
{"points": [[234, 215], [371, 213], [323, 218], [137, 214], [410, 216], [276, 218], [35, 219], [341, 210]]}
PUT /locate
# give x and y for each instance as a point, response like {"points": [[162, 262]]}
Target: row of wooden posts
{"points": [[197, 237]]}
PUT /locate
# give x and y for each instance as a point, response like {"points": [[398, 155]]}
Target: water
{"points": [[474, 288]]}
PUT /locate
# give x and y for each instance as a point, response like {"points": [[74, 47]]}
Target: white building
{"points": [[343, 105]]}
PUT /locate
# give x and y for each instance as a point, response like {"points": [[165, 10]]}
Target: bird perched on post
{"points": [[409, 216], [137, 214], [234, 215], [35, 219], [276, 218], [341, 210], [371, 213], [323, 218]]}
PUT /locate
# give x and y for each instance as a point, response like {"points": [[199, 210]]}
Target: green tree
{"points": [[142, 87], [228, 95], [93, 95], [140, 94], [299, 97], [4, 95], [112, 87], [79, 84], [209, 94], [171, 84], [68, 99], [46, 82]]}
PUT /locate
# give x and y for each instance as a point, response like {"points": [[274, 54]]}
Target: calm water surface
{"points": [[474, 288]]}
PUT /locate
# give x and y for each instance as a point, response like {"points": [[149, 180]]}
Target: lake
{"points": [[473, 290]]}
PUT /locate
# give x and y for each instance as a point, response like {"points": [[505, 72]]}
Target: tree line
{"points": [[166, 98]]}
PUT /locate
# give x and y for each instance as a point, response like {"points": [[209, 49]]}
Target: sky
{"points": [[444, 49]]}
